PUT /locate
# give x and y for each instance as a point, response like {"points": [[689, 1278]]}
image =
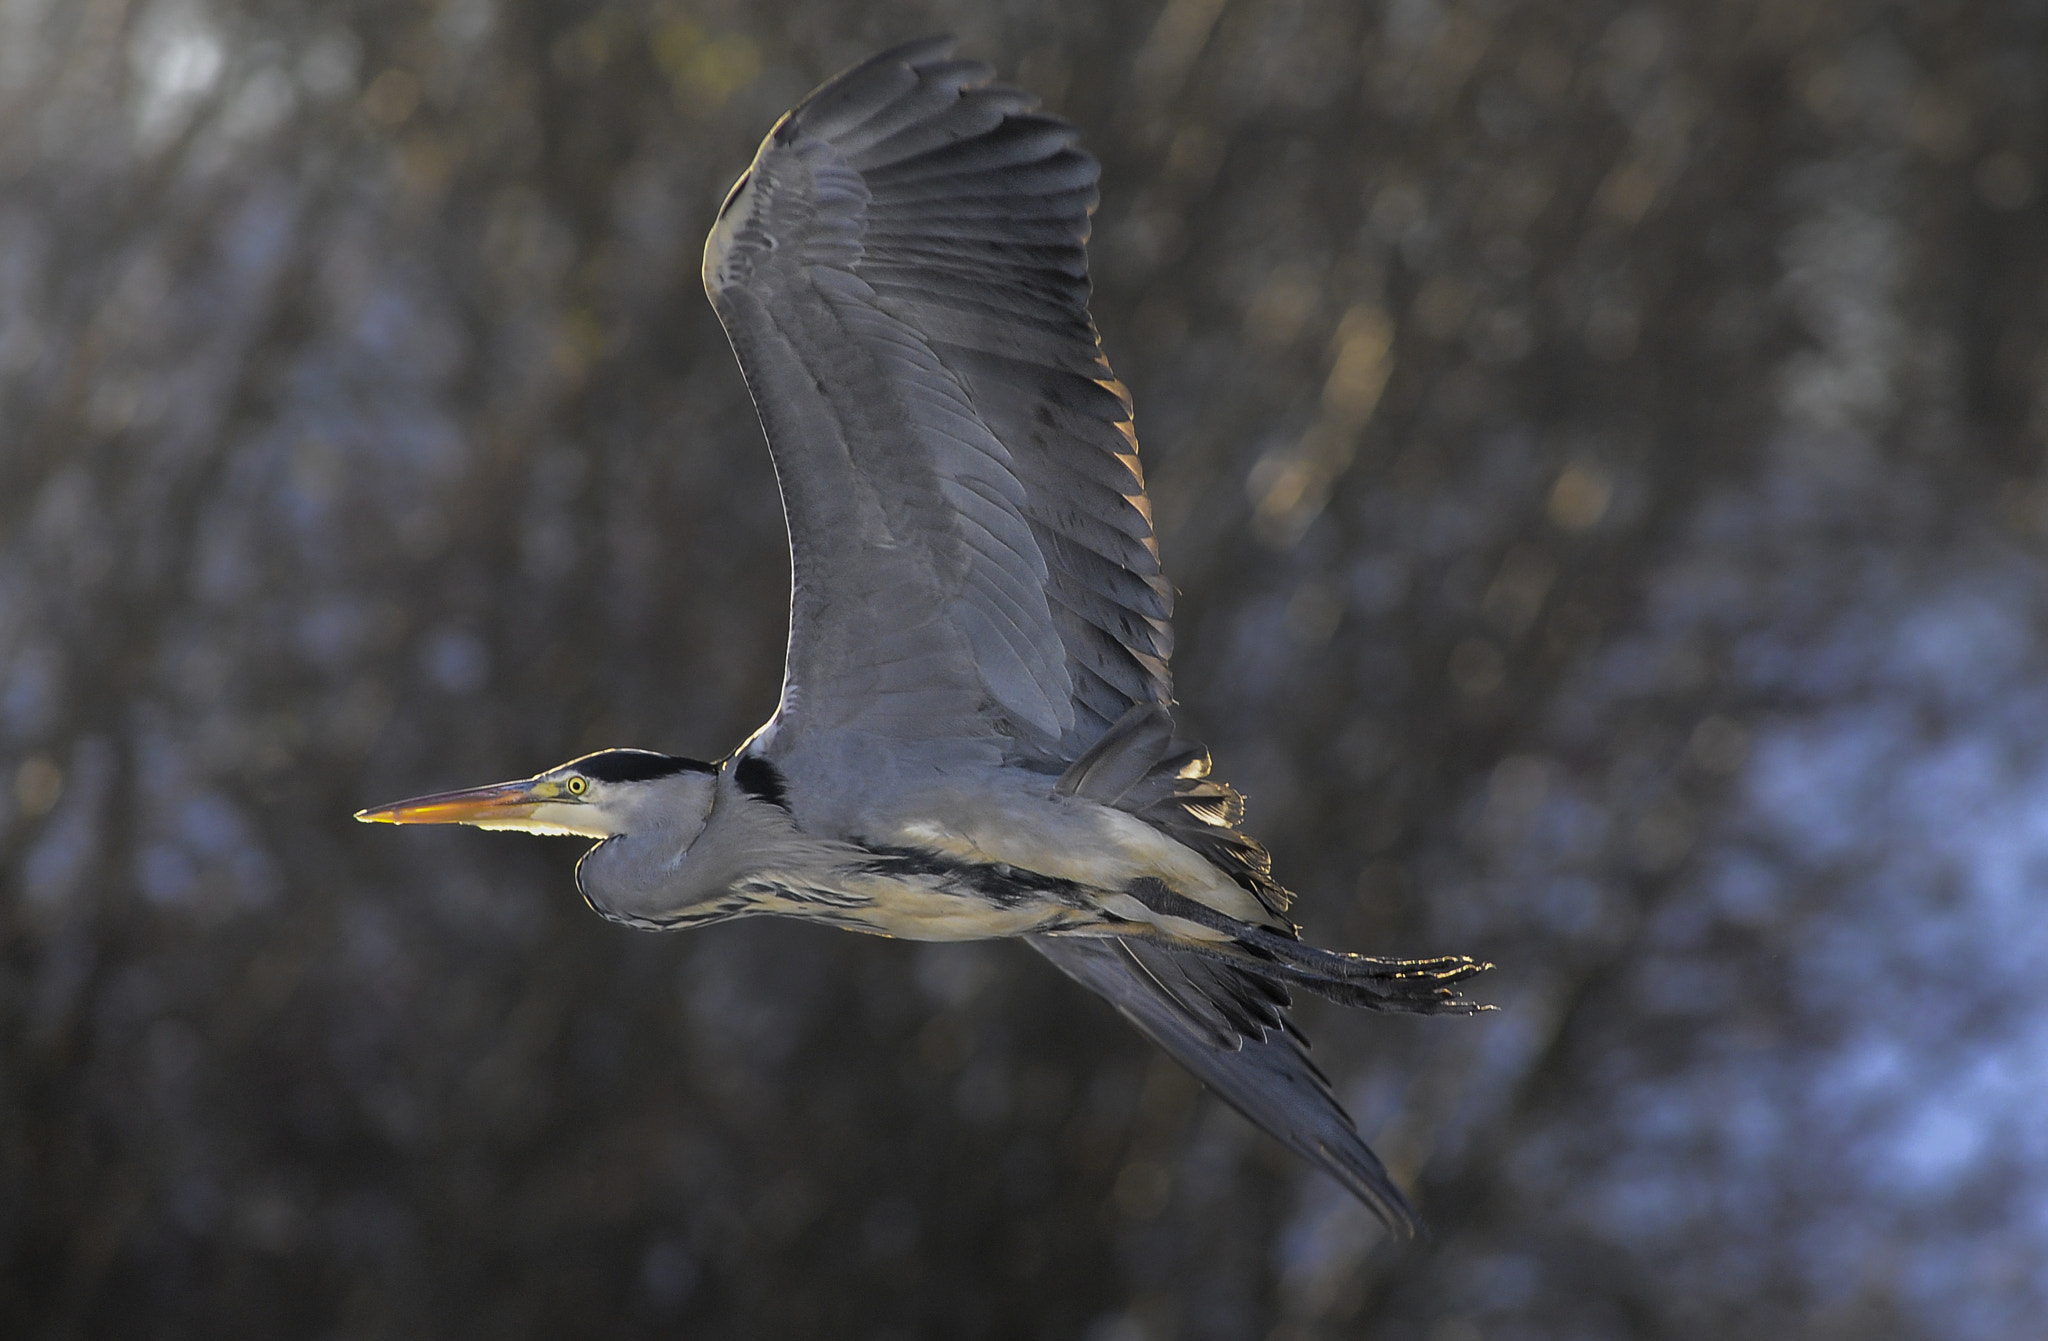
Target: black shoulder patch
{"points": [[636, 765], [761, 780]]}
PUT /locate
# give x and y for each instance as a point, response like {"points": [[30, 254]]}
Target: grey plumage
{"points": [[974, 737], [907, 292], [1230, 1028]]}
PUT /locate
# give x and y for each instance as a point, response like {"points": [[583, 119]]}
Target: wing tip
{"points": [[850, 99], [859, 90], [1368, 1180], [1269, 1079]]}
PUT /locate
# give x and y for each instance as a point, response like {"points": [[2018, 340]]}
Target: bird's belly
{"points": [[926, 902]]}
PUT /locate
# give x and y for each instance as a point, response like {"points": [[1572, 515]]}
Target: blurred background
{"points": [[1600, 450]]}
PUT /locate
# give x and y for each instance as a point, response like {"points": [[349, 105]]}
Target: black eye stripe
{"points": [[635, 766]]}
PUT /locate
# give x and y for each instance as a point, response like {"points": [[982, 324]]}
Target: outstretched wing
{"points": [[903, 276], [1230, 1028]]}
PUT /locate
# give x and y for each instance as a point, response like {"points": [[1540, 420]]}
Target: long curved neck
{"points": [[684, 868]]}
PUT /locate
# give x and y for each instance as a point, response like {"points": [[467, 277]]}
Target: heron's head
{"points": [[603, 795]]}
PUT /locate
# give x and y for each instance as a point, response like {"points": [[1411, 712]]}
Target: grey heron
{"points": [[975, 736]]}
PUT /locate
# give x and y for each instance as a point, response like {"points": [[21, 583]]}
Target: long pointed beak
{"points": [[499, 803]]}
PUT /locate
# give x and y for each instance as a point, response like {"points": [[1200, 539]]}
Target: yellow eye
{"points": [[577, 786]]}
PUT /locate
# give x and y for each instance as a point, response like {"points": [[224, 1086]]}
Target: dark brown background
{"points": [[1599, 449]]}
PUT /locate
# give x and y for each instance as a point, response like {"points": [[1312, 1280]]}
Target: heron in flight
{"points": [[975, 736]]}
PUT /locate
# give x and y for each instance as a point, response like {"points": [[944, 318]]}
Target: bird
{"points": [[975, 737]]}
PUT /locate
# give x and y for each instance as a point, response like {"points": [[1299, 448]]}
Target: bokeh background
{"points": [[1600, 450]]}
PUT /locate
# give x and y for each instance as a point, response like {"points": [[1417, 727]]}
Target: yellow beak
{"points": [[501, 803]]}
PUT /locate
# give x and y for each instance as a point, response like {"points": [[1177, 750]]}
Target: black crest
{"points": [[636, 766]]}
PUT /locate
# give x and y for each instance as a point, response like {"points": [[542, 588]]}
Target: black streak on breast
{"points": [[1003, 886]]}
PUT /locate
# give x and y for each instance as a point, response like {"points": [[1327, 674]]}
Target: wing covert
{"points": [[902, 273]]}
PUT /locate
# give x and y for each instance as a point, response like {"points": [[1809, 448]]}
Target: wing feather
{"points": [[988, 136], [924, 100], [1230, 1028], [842, 106], [921, 126], [903, 275]]}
